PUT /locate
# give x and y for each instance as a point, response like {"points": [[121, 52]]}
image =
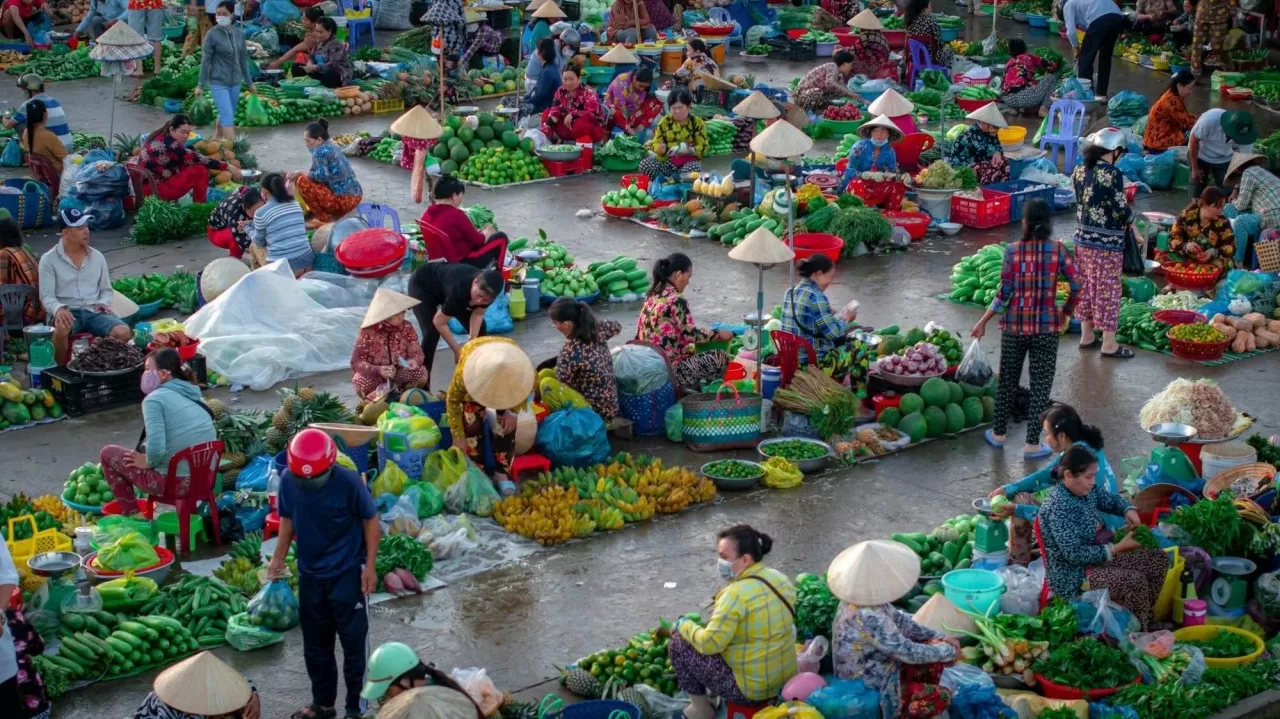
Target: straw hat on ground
{"points": [[762, 247], [620, 55], [202, 685], [1241, 160], [989, 114], [431, 702], [891, 104], [873, 572], [895, 133], [386, 304], [498, 375], [756, 106], [549, 11], [417, 124], [781, 139], [866, 20], [940, 612]]}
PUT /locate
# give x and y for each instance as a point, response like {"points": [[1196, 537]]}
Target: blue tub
{"points": [[599, 709]]}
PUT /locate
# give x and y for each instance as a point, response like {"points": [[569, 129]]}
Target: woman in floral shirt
{"points": [[697, 59], [387, 357], [1103, 216], [979, 146], [1021, 89], [330, 63], [630, 103], [330, 188], [229, 222], [679, 140], [825, 83], [177, 169], [922, 26], [1169, 122], [1201, 235], [574, 112], [584, 363], [665, 321]]}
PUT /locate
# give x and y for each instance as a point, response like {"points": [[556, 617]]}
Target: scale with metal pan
{"points": [[1230, 588], [65, 594], [1175, 465]]}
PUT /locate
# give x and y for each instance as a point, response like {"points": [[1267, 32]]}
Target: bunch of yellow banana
{"points": [[11, 57], [636, 511], [583, 526], [51, 504], [546, 514], [71, 520]]}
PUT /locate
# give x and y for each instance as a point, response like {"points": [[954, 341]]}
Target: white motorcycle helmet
{"points": [[1108, 138]]}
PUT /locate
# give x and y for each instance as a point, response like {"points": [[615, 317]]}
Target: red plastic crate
{"points": [[991, 211]]}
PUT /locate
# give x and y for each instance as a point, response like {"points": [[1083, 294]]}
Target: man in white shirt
{"points": [[1103, 24], [75, 286], [1215, 137]]}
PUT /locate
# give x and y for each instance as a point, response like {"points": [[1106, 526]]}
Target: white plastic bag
{"points": [[809, 659], [974, 369], [475, 682], [1022, 590]]}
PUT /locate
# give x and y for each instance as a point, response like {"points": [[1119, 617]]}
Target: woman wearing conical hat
{"points": [[387, 358], [870, 48], [979, 146], [202, 686]]}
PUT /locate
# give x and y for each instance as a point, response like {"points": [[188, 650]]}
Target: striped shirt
{"points": [[1029, 287], [282, 229], [753, 630], [55, 118]]}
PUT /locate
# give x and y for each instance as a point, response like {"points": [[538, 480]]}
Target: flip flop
{"points": [[312, 711], [991, 439], [1120, 353], [1041, 453], [1097, 342]]}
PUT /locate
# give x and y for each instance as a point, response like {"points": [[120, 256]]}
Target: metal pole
{"points": [[635, 12], [440, 67], [759, 322], [791, 224]]}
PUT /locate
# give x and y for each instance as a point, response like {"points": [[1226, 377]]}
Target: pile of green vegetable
{"points": [[1139, 328], [401, 551], [730, 469], [1217, 690], [1224, 645], [977, 277], [816, 607], [978, 92], [1141, 534], [158, 221], [949, 546], [940, 175], [481, 216], [759, 49], [59, 64], [176, 290], [860, 227], [1214, 525], [1267, 452], [796, 450], [622, 147], [1087, 664]]}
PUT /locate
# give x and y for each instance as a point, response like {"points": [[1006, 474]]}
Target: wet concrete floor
{"points": [[520, 621]]}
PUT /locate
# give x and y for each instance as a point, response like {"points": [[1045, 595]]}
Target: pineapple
{"points": [[125, 145], [280, 421], [274, 439], [288, 401], [307, 394], [581, 683], [631, 696], [217, 407]]}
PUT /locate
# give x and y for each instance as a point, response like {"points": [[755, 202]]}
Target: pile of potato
{"points": [[1250, 332], [358, 104]]}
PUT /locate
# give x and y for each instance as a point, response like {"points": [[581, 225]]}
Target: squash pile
{"points": [[714, 187], [1249, 333]]}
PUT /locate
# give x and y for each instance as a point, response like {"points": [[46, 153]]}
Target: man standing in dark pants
{"points": [[451, 291], [330, 511], [1104, 23]]}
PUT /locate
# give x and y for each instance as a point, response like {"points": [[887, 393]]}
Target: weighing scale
{"points": [[1230, 589], [65, 595], [755, 330], [1173, 464], [530, 258]]}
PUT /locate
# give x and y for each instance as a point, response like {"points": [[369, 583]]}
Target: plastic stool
{"points": [[271, 526], [529, 462], [167, 524], [744, 711]]}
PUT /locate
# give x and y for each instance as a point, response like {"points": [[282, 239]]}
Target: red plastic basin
{"points": [[808, 244], [642, 181], [797, 32], [618, 211], [971, 105], [1056, 691], [915, 223], [375, 247]]}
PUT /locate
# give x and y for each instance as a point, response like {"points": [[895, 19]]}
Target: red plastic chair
{"points": [[529, 462], [439, 247], [1044, 588], [909, 148], [43, 170], [202, 466], [143, 182], [789, 346]]}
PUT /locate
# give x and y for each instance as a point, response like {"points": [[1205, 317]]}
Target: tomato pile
{"points": [[843, 113]]}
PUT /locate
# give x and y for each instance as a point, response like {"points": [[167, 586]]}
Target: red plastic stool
{"points": [[271, 526], [744, 711], [529, 462]]}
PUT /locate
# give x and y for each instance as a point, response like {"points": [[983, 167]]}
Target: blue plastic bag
{"points": [[254, 475], [12, 155], [274, 607], [574, 437], [278, 11], [846, 699], [1131, 166], [497, 318], [1159, 169], [978, 701]]}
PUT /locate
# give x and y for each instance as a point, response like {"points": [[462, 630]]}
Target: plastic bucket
{"points": [[1216, 458], [770, 378], [671, 59], [973, 590], [936, 203], [717, 48]]}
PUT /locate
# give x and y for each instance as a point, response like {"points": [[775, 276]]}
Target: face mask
{"points": [[223, 20], [567, 52], [879, 143], [150, 380], [726, 569]]}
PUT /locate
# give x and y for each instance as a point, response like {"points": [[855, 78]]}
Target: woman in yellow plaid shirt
{"points": [[679, 140], [747, 650]]}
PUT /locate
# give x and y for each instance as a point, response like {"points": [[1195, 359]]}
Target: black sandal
{"points": [[1097, 342], [311, 711], [1120, 353]]}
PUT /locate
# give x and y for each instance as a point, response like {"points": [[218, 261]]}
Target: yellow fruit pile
{"points": [[51, 504], [218, 150], [542, 513]]}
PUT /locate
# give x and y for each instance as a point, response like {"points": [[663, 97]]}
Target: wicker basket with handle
{"points": [[712, 422], [1263, 475]]}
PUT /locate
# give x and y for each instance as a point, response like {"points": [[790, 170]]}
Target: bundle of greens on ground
{"points": [[1086, 663], [158, 221], [860, 227], [816, 607]]}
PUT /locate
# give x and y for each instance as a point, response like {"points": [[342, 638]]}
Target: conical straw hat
{"points": [[386, 304], [989, 114], [121, 34], [873, 572], [202, 685], [498, 375], [418, 124], [762, 247], [432, 702], [866, 20], [549, 9], [620, 55], [533, 5], [781, 139], [891, 104], [940, 612], [1240, 159], [471, 16], [714, 82], [756, 106], [895, 133], [122, 306]]}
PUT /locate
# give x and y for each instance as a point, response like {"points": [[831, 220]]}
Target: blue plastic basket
{"points": [[410, 460], [648, 412], [32, 206], [1037, 20], [1019, 194], [145, 311], [599, 709], [435, 409], [328, 262], [173, 105], [949, 34], [82, 508]]}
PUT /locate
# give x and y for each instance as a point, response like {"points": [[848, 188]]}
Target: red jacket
{"points": [[458, 236]]}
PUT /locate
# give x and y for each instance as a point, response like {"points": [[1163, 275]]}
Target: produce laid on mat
{"points": [[22, 408]]}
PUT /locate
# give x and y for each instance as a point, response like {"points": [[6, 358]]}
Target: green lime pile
{"points": [[631, 197], [87, 485], [569, 282], [472, 154]]}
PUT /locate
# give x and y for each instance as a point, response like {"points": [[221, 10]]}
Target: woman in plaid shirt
{"points": [[806, 313], [1031, 320]]}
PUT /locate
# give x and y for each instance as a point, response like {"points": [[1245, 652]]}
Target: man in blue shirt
{"points": [[329, 511], [1103, 23], [101, 16], [55, 118]]}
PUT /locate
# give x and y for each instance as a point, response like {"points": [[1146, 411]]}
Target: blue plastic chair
{"points": [[357, 27], [920, 61], [1066, 120], [719, 14], [376, 215]]}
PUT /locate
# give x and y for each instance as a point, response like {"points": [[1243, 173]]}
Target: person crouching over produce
{"points": [[491, 373], [1132, 574], [1030, 320], [451, 291], [679, 141], [279, 230], [329, 189], [387, 358], [979, 146], [177, 169], [584, 363], [75, 286], [1022, 89], [429, 702], [310, 17], [746, 651], [1201, 235], [174, 418], [394, 668], [460, 240], [825, 83], [18, 267], [630, 103], [665, 321], [874, 154], [1063, 429], [328, 509], [200, 686], [1255, 202], [329, 62], [870, 49], [1168, 122], [882, 645], [574, 112], [229, 222], [806, 313]]}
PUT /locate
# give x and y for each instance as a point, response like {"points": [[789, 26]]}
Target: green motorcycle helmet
{"points": [[387, 663]]}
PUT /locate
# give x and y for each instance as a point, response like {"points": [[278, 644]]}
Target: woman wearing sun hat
{"points": [[874, 153], [896, 108], [979, 146], [870, 48], [388, 357], [492, 373], [428, 702], [201, 686], [880, 644], [1255, 202]]}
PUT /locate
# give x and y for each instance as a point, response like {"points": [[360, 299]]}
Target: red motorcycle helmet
{"points": [[312, 452]]}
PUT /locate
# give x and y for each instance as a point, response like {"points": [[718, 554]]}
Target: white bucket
{"points": [[936, 203], [1217, 458]]}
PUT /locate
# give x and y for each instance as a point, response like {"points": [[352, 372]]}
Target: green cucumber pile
{"points": [[619, 278], [742, 223], [1139, 328], [569, 282], [59, 64], [948, 547], [977, 277], [98, 643], [978, 92]]}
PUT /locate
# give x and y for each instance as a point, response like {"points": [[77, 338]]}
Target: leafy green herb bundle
{"points": [[1087, 664], [1214, 525], [815, 606]]}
